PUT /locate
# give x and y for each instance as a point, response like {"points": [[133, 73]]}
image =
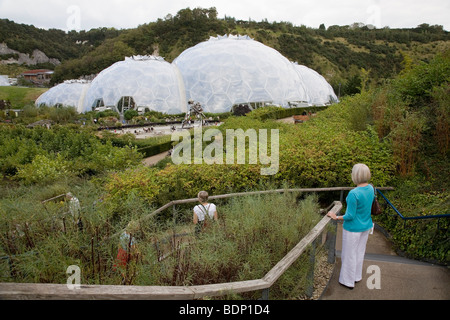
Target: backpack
{"points": [[207, 217], [376, 208], [205, 223]]}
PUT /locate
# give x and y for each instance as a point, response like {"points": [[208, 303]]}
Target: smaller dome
{"points": [[138, 81], [319, 91], [70, 93], [4, 82]]}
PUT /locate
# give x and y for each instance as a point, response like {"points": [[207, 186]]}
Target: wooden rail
{"points": [[62, 291], [239, 194]]}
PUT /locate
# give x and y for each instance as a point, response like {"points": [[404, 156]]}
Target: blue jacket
{"points": [[357, 217]]}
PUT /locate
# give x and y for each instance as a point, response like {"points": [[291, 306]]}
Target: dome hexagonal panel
{"points": [[151, 81], [70, 93], [319, 91], [4, 82], [243, 67]]}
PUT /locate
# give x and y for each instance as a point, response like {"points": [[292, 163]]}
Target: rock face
{"points": [[36, 57]]}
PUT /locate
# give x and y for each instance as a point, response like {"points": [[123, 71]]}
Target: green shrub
{"points": [[41, 154], [415, 85], [252, 234], [43, 169], [273, 112]]}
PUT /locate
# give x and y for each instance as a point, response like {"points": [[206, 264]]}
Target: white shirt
{"points": [[200, 211], [74, 207]]}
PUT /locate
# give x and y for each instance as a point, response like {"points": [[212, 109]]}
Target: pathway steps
{"points": [[399, 278]]}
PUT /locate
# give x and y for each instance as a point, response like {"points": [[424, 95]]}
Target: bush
{"points": [[43, 169], [319, 153], [416, 84], [148, 147], [273, 112], [139, 182], [41, 154], [252, 234], [419, 239], [130, 114]]}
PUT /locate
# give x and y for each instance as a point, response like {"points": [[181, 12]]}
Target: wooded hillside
{"points": [[344, 55]]}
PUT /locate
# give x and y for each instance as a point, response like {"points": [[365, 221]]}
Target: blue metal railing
{"points": [[434, 216]]}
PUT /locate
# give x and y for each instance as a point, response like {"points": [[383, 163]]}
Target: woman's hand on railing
{"points": [[332, 215]]}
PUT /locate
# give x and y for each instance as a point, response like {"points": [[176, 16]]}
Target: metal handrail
{"points": [[435, 216]]}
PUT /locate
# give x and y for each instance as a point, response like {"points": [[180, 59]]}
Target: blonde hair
{"points": [[360, 173], [202, 196]]}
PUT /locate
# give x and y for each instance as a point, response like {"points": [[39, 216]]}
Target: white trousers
{"points": [[352, 256]]}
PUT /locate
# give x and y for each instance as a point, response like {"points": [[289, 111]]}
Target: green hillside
{"points": [[344, 55]]}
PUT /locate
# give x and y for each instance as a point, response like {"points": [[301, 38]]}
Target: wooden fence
{"points": [[62, 291]]}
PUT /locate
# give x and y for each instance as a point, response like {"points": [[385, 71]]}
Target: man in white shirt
{"points": [[203, 212]]}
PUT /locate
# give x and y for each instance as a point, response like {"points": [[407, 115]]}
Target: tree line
{"points": [[337, 52]]}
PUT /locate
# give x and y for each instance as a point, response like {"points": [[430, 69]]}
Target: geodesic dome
{"points": [[4, 82], [319, 91], [139, 81], [219, 73], [70, 93], [231, 70]]}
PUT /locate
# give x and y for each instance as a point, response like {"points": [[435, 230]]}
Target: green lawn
{"points": [[20, 96]]}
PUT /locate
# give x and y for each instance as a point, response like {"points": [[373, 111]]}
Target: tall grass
{"points": [[39, 241], [253, 233]]}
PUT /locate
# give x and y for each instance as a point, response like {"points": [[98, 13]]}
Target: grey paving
{"points": [[387, 276]]}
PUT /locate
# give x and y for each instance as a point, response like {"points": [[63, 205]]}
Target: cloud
{"points": [[131, 13]]}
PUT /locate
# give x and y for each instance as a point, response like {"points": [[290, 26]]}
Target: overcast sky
{"points": [[120, 14]]}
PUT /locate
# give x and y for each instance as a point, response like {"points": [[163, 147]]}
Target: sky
{"points": [[123, 14]]}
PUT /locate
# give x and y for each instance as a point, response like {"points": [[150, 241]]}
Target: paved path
{"points": [[150, 161], [400, 278]]}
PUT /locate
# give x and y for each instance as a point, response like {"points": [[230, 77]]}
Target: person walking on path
{"points": [[203, 212], [75, 210], [357, 226]]}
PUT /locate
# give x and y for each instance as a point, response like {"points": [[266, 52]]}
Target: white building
{"points": [[219, 73]]}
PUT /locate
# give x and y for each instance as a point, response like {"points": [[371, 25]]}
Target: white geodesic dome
{"points": [[231, 70], [319, 91], [4, 82], [70, 93], [150, 81], [219, 73]]}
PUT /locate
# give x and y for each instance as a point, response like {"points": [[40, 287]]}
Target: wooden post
{"points": [[331, 242], [265, 294], [310, 276]]}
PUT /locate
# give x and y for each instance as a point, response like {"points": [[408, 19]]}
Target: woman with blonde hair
{"points": [[203, 212], [357, 226]]}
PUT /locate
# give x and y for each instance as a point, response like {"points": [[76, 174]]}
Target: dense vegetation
{"points": [[399, 128], [54, 43], [41, 155], [343, 54]]}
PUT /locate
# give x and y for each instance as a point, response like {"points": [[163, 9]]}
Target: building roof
{"points": [[37, 71]]}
